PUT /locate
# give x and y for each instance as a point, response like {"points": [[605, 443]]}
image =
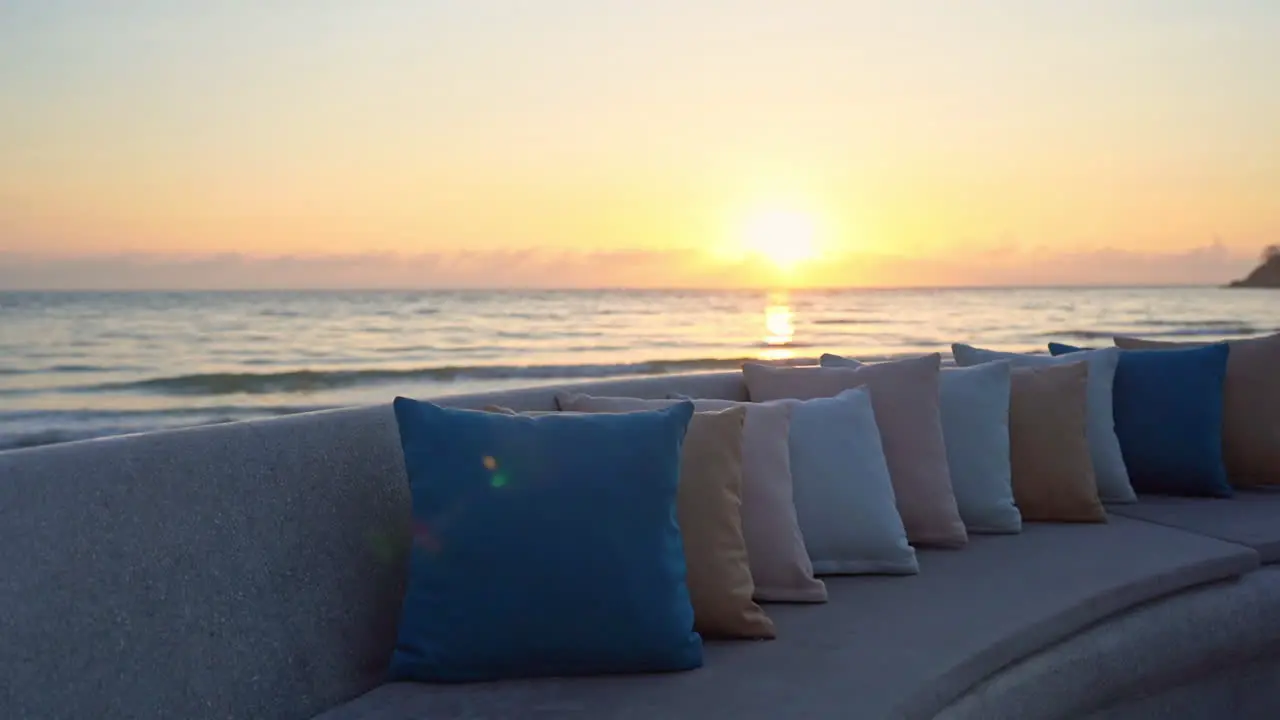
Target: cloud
{"points": [[1016, 265], [530, 268]]}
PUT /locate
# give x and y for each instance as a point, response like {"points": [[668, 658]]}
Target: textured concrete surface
{"points": [[1197, 654]]}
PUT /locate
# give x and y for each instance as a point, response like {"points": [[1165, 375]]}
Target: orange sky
{"points": [[1009, 142]]}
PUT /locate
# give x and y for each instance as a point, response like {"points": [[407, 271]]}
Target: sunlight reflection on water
{"points": [[779, 328]]}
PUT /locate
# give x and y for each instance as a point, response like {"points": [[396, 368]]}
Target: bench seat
{"points": [[882, 647], [1251, 518]]}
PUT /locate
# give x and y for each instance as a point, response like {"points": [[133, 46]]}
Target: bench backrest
{"points": [[251, 569]]}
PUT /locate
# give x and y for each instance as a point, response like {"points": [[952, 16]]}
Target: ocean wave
{"points": [[1206, 324], [1224, 331], [1212, 331], [301, 381], [850, 321], [1081, 334], [69, 369]]}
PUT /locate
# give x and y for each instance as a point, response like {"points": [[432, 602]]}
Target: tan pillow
{"points": [[906, 397], [1250, 407], [780, 564], [1053, 478], [709, 512]]}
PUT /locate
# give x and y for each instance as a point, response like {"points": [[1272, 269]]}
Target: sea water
{"points": [[80, 365]]}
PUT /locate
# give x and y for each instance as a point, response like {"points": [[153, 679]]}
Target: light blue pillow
{"points": [[975, 428], [843, 495], [1168, 409], [543, 545], [841, 488], [1104, 447]]}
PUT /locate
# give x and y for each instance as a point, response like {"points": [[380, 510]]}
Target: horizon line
{"points": [[673, 288]]}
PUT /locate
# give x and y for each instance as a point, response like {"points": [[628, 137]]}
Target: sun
{"points": [[784, 238]]}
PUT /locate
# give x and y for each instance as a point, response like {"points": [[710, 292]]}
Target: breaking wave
{"points": [[297, 381]]}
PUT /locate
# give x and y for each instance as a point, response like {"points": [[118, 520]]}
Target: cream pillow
{"points": [[708, 507], [906, 398], [779, 562], [1053, 476]]}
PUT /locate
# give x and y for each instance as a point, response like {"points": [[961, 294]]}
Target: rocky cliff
{"points": [[1266, 275]]}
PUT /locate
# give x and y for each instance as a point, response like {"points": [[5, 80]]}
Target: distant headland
{"points": [[1266, 275]]}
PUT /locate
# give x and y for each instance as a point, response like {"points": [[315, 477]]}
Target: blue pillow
{"points": [[1168, 413], [543, 545]]}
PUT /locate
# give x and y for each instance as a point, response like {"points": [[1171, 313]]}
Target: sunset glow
{"points": [[635, 145]]}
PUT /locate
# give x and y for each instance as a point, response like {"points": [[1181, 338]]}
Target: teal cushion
{"points": [[543, 545], [1168, 412]]}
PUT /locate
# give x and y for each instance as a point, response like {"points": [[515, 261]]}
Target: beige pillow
{"points": [[779, 561], [709, 512], [1053, 478], [906, 397], [1250, 407]]}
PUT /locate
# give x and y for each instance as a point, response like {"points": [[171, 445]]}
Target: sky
{"points": [[639, 143]]}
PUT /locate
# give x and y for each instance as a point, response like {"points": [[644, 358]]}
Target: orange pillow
{"points": [[1053, 478]]}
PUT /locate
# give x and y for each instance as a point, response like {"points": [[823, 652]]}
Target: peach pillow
{"points": [[906, 397], [779, 562], [1053, 477], [708, 508], [1250, 407]]}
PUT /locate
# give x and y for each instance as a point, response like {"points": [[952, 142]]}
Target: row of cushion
{"points": [[771, 496], [904, 454], [816, 493], [1104, 447], [1007, 458], [1168, 417], [1250, 407], [1188, 418], [838, 469]]}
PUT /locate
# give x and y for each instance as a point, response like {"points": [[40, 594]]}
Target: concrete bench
{"points": [[256, 570]]}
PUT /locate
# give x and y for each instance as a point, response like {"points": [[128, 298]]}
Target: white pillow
{"points": [[1104, 445], [842, 491], [975, 428]]}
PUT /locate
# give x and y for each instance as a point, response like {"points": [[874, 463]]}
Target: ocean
{"points": [[82, 365]]}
